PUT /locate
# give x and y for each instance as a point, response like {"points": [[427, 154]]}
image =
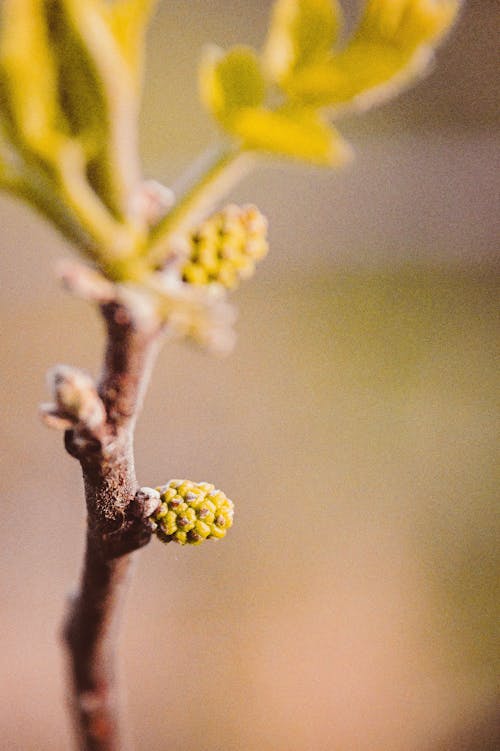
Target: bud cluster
{"points": [[226, 247], [191, 512]]}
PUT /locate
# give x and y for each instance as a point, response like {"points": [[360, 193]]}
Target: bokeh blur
{"points": [[354, 605]]}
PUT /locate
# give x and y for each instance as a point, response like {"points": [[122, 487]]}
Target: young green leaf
{"points": [[393, 44], [302, 32], [233, 88], [68, 103], [28, 96], [115, 174], [231, 81], [76, 83]]}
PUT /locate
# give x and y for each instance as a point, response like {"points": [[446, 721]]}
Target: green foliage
{"points": [[309, 78], [69, 102], [70, 85], [392, 44]]}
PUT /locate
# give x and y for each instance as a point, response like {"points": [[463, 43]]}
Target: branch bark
{"points": [[115, 526]]}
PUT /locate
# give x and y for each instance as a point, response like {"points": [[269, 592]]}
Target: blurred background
{"points": [[354, 606]]}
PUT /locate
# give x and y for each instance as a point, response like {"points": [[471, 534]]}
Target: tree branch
{"points": [[117, 518], [90, 635]]}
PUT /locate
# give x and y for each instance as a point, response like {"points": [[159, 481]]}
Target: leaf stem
{"points": [[206, 183]]}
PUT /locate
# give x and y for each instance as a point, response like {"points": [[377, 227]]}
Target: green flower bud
{"points": [[226, 247], [191, 512]]}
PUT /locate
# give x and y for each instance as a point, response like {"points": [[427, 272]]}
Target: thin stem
{"points": [[208, 181], [91, 637], [118, 239], [113, 533]]}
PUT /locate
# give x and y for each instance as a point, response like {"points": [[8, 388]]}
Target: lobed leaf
{"points": [[233, 88], [393, 44]]}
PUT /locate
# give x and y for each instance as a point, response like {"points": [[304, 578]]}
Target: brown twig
{"points": [[116, 526], [99, 421]]}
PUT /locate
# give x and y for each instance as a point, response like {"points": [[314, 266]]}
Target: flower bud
{"points": [[226, 247], [191, 512]]}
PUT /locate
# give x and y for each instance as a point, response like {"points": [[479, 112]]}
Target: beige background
{"points": [[354, 606]]}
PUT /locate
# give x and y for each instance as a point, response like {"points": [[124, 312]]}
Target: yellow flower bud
{"points": [[191, 512], [225, 248]]}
